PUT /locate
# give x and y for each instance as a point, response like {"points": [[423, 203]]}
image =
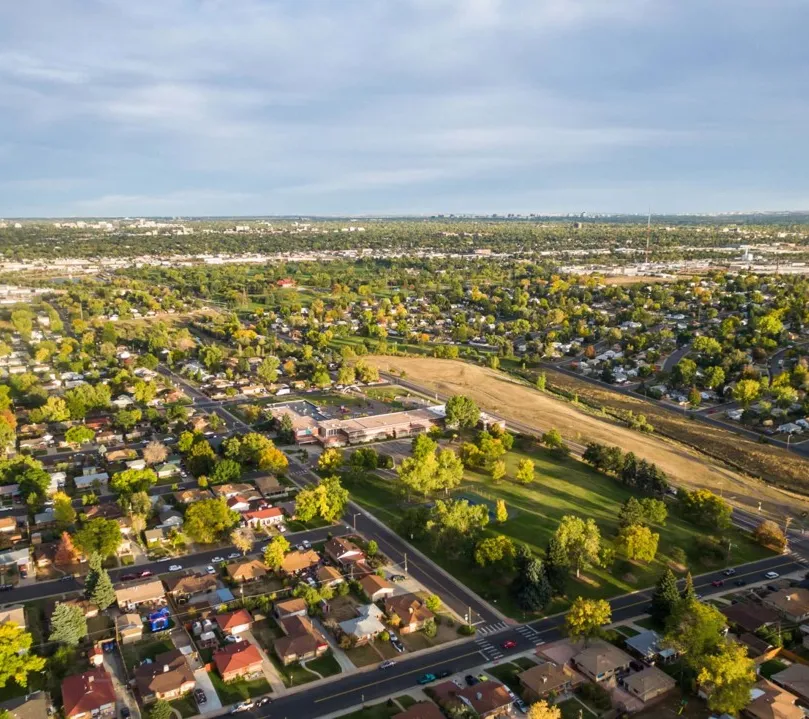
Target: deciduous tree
{"points": [[586, 617], [275, 551], [16, 659], [209, 520], [638, 542], [462, 412], [543, 710], [580, 540], [100, 536], [730, 674]]}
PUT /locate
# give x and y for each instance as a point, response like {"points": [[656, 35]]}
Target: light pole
{"points": [[354, 518]]}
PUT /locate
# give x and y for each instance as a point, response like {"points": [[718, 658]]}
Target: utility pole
{"points": [[405, 562]]}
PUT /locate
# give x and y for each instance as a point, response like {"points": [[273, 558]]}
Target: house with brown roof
{"points": [[297, 561], [88, 695], [247, 491], [769, 701], [29, 706], [129, 628], [601, 661], [301, 641], [376, 587], [408, 612], [749, 617], [795, 679], [238, 660], [649, 684], [487, 699], [168, 677], [235, 623], [295, 607], [792, 603], [189, 585], [542, 679], [344, 552], [328, 576], [247, 570], [270, 487], [189, 496], [421, 710], [133, 594]]}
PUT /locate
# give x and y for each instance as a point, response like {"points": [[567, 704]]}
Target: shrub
{"points": [[466, 630]]}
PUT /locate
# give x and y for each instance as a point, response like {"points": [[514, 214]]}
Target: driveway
{"points": [[342, 658], [204, 682], [115, 668], [270, 672]]}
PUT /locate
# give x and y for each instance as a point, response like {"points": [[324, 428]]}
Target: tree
{"points": [[730, 674], [498, 470], [704, 508], [99, 536], [666, 596], [155, 453], [586, 617], [126, 419], [695, 630], [16, 660], [746, 391], [433, 603], [365, 372], [429, 627], [525, 471], [557, 564], [530, 586], [694, 397], [449, 470], [638, 542], [140, 505], [133, 480], [462, 412], [243, 538], [543, 710], [286, 430], [552, 439], [346, 375], [161, 710], [769, 534], [79, 435], [689, 592], [454, 525], [275, 551], [55, 409], [422, 447], [372, 549], [225, 471], [419, 474], [208, 520], [541, 382], [331, 460], [68, 624], [102, 593], [63, 512], [501, 511], [66, 553], [684, 372], [495, 550], [654, 511], [580, 540], [631, 513], [272, 459], [267, 371], [200, 458]]}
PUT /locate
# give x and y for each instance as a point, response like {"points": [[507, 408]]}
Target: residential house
{"points": [[166, 470], [409, 611], [298, 561], [15, 614], [235, 623], [89, 478], [649, 684], [129, 628], [239, 660], [188, 585], [238, 503], [366, 625], [189, 496], [156, 537], [29, 706], [167, 678], [132, 595], [247, 570], [769, 701], [270, 487], [344, 552], [647, 646], [302, 640], [170, 518], [791, 603], [749, 617], [376, 587], [487, 699], [290, 608], [540, 680], [328, 576], [267, 517], [247, 491], [795, 678], [8, 526], [19, 557], [601, 661], [421, 710], [87, 695]]}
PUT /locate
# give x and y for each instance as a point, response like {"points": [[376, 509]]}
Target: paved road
{"points": [[675, 357], [373, 684]]}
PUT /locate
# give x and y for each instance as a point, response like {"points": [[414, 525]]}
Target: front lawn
{"points": [[293, 675], [363, 656], [134, 654], [773, 666], [561, 487], [383, 710], [239, 690], [186, 706], [507, 673], [326, 665]]}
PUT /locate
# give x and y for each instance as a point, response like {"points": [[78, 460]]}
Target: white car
{"points": [[231, 639], [217, 559], [387, 664], [771, 575], [234, 555], [306, 544], [175, 567], [210, 570]]}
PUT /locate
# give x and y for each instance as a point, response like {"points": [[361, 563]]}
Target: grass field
{"points": [[326, 665], [561, 487], [497, 392], [239, 690]]}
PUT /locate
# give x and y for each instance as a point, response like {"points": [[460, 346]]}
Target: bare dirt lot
{"points": [[496, 392]]}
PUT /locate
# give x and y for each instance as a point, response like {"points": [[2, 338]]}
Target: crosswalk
{"points": [[531, 634], [489, 651], [491, 628]]}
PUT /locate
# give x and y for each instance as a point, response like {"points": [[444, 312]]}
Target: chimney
{"points": [[544, 680], [478, 696], [90, 678], [165, 668]]}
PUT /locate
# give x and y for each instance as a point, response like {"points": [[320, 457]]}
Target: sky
{"points": [[348, 107]]}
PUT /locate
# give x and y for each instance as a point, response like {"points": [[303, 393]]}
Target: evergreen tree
{"points": [[556, 566], [665, 597], [68, 624], [532, 589], [93, 575], [103, 594], [688, 591]]}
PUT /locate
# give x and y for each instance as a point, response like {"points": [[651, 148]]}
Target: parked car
{"points": [[234, 555], [471, 680], [387, 664], [231, 639], [522, 707], [740, 582], [66, 578], [509, 644], [482, 678], [306, 544], [397, 577], [6, 587], [199, 695], [771, 575], [216, 560], [718, 583], [126, 577], [425, 678], [397, 645], [264, 700], [145, 573], [443, 674], [125, 713], [210, 570], [729, 572], [175, 567]]}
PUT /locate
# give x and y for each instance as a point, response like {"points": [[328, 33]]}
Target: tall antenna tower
{"points": [[648, 236]]}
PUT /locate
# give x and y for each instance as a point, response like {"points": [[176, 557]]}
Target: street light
{"points": [[354, 518]]}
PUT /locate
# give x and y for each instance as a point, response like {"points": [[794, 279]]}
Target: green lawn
{"points": [[293, 674], [384, 710], [186, 706], [238, 690], [646, 623], [326, 665], [773, 666], [561, 487], [135, 653], [507, 673], [626, 631], [406, 701]]}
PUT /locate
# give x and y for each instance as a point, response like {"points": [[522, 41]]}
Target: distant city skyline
{"points": [[404, 107]]}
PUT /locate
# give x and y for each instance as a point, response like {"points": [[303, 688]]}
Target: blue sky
{"points": [[188, 107]]}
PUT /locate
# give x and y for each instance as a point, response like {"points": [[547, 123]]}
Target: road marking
{"points": [[385, 680]]}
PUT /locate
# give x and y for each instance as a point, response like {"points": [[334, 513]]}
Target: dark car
{"points": [[740, 582], [199, 695], [471, 680], [397, 577], [125, 712], [66, 578], [6, 587], [128, 577], [443, 674], [425, 679]]}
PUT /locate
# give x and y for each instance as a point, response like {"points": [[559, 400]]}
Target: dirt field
{"points": [[634, 280], [496, 392]]}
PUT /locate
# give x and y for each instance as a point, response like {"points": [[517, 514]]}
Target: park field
{"points": [[561, 487], [497, 392]]}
